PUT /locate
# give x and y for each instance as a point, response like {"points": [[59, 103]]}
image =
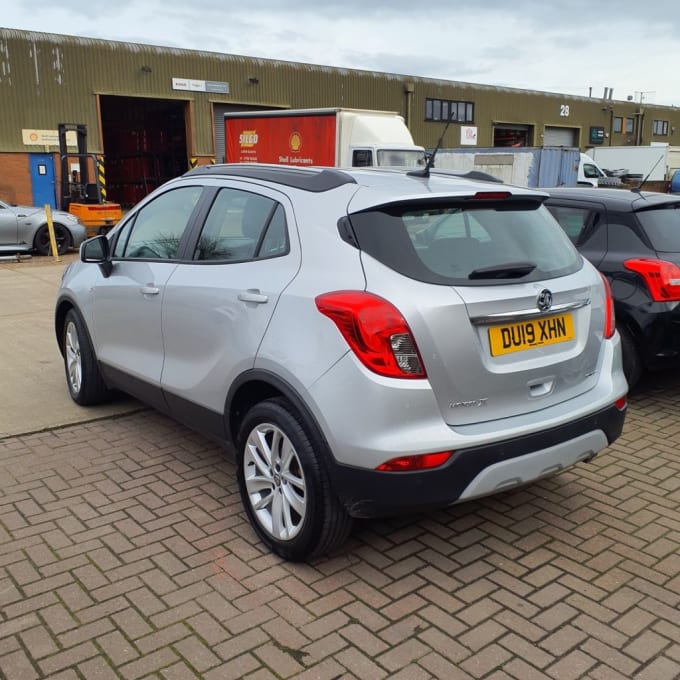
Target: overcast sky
{"points": [[571, 46]]}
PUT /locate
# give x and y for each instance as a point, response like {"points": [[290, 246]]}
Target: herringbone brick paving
{"points": [[124, 553]]}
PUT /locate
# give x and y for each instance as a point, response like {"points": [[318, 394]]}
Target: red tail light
{"points": [[662, 278], [610, 317], [375, 331]]}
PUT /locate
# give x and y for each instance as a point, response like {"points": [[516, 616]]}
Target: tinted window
{"points": [[156, 229], [576, 222], [362, 158], [662, 226], [242, 226], [456, 243], [625, 235]]}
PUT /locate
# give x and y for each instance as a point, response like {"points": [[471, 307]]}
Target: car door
{"points": [[216, 308], [8, 226], [128, 303]]}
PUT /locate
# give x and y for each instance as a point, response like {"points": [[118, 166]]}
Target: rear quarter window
{"points": [[662, 226], [456, 243]]}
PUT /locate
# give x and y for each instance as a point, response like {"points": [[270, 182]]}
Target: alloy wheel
{"points": [[74, 365], [275, 482]]}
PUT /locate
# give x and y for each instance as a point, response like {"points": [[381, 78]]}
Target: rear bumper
{"points": [[477, 471]]}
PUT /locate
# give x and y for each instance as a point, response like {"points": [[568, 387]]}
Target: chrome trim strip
{"points": [[520, 315]]}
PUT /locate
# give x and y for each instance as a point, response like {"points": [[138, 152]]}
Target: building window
{"points": [[660, 127], [618, 124], [630, 124], [441, 109]]}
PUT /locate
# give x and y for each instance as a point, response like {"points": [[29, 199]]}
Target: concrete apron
{"points": [[33, 392]]}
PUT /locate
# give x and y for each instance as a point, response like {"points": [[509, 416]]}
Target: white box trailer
{"points": [[651, 162], [340, 137]]}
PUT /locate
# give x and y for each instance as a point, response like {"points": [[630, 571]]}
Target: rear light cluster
{"points": [[376, 332], [662, 278], [610, 318]]}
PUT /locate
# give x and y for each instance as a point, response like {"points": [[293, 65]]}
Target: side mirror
{"points": [[97, 251]]}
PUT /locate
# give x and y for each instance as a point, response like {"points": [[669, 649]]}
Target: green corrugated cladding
{"points": [[46, 79]]}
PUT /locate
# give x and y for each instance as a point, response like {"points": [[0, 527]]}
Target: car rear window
{"points": [[462, 244], [662, 226]]}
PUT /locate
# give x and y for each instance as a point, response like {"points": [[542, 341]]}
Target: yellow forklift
{"points": [[83, 191]]}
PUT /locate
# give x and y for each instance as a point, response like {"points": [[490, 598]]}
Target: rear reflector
{"points": [[425, 461], [622, 403]]}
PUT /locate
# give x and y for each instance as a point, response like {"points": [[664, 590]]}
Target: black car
{"points": [[633, 238]]}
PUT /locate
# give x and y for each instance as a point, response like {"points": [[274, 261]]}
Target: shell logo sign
{"points": [[295, 142], [46, 137]]}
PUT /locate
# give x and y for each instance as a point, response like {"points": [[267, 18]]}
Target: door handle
{"points": [[253, 296], [149, 290]]}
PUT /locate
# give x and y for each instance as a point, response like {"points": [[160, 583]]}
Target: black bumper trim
{"points": [[368, 493]]}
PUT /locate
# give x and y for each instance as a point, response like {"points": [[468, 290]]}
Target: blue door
{"points": [[42, 179]]}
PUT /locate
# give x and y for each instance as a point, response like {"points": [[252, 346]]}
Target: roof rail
{"points": [[308, 179]]}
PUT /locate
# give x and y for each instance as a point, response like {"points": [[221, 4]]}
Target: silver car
{"points": [[370, 341], [23, 228]]}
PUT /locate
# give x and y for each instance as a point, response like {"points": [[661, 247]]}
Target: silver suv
{"points": [[370, 341]]}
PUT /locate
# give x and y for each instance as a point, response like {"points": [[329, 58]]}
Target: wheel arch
{"points": [[257, 385], [63, 307]]}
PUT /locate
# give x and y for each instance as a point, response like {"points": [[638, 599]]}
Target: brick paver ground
{"points": [[124, 553]]}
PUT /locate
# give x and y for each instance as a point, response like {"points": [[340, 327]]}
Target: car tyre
{"points": [[85, 383], [632, 360], [41, 242], [284, 485]]}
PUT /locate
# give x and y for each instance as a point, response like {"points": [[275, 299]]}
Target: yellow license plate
{"points": [[517, 337]]}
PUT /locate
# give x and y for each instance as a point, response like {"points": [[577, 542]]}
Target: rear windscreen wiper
{"points": [[511, 270]]}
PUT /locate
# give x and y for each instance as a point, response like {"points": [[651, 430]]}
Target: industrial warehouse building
{"points": [[152, 112]]}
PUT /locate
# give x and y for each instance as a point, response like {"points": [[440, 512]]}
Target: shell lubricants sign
{"points": [[283, 140]]}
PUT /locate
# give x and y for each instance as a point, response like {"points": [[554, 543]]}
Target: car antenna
{"points": [[425, 172], [638, 189]]}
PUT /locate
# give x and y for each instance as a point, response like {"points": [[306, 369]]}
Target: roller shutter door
{"points": [[218, 116], [560, 136]]}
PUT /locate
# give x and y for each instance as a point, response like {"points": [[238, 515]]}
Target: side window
{"points": [[158, 227], [275, 241], [574, 221], [590, 171], [362, 158], [242, 226]]}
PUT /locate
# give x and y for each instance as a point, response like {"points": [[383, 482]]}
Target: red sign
{"points": [[282, 140]]}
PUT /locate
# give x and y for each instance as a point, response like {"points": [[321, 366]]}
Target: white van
{"points": [[589, 172]]}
